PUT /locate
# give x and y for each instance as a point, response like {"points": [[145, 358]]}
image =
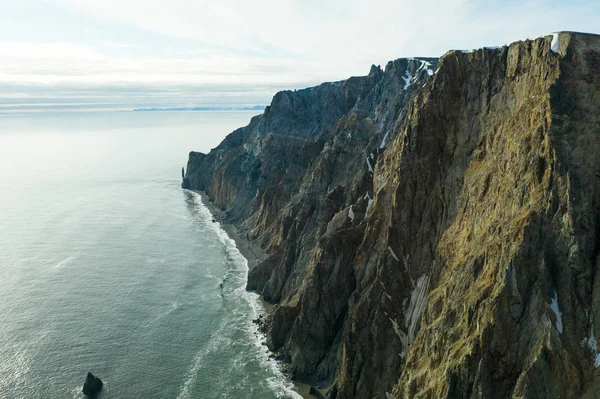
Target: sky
{"points": [[137, 53]]}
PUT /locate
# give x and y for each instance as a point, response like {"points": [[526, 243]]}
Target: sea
{"points": [[108, 266]]}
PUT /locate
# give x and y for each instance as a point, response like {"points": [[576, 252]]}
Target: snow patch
{"points": [[418, 300], [405, 263], [369, 165], [592, 344], [370, 201], [421, 66], [396, 328], [382, 145], [385, 291], [351, 213], [407, 79], [403, 338], [388, 396], [554, 45], [393, 254], [557, 312], [425, 65]]}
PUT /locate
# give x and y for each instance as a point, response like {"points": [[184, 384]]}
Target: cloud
{"points": [[235, 45], [348, 30], [54, 63], [105, 43]]}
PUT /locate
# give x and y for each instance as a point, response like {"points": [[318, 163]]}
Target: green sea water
{"points": [[107, 266]]}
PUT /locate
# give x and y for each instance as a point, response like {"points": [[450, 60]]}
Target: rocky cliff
{"points": [[433, 228]]}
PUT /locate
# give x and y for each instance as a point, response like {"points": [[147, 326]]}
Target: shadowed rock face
{"points": [[92, 385], [429, 234]]}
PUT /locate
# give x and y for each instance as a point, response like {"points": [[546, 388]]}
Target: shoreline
{"points": [[250, 250], [254, 254]]}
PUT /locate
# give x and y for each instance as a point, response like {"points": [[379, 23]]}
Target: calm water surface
{"points": [[106, 265]]}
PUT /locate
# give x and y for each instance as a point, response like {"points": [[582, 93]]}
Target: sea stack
{"points": [[92, 386]]}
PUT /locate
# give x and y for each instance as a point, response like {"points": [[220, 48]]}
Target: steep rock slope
{"points": [[431, 232], [514, 294]]}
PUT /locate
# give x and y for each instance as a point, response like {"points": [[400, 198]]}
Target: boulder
{"points": [[316, 393], [92, 386]]}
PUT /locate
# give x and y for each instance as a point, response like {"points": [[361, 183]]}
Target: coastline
{"points": [[254, 254]]}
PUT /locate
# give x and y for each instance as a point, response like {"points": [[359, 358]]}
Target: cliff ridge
{"points": [[432, 228]]}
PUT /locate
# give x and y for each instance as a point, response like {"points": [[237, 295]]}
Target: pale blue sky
{"points": [[191, 52]]}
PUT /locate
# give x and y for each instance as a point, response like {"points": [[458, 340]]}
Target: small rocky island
{"points": [[92, 386]]}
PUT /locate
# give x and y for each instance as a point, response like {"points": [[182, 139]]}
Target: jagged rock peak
{"points": [[92, 385]]}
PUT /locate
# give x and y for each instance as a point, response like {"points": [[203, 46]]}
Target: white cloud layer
{"points": [[270, 44]]}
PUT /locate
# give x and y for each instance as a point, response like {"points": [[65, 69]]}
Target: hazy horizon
{"points": [[113, 55]]}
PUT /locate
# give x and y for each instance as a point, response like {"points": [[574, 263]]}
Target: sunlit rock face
{"points": [[432, 229]]}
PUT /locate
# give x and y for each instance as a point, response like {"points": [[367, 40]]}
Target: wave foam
{"points": [[63, 263], [279, 383], [216, 341]]}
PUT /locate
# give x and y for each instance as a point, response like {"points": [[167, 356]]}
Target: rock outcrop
{"points": [[92, 385], [432, 229]]}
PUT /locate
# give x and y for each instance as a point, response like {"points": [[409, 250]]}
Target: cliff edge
{"points": [[432, 228]]}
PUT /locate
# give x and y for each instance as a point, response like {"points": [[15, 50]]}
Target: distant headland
{"points": [[254, 108]]}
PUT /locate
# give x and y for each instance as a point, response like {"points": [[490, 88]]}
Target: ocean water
{"points": [[107, 266]]}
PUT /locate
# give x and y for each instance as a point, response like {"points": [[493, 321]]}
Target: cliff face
{"points": [[433, 229]]}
